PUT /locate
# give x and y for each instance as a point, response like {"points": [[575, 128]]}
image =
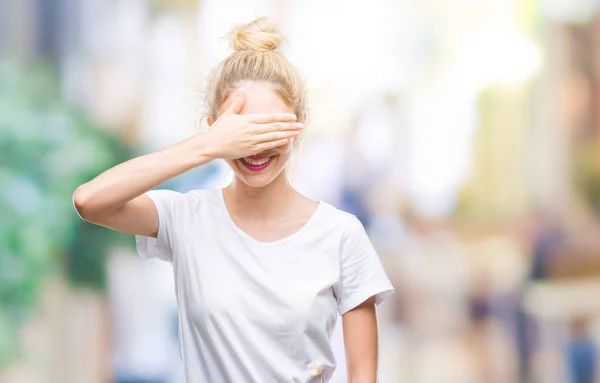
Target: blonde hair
{"points": [[256, 57]]}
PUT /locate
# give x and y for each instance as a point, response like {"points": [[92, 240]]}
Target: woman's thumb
{"points": [[237, 104]]}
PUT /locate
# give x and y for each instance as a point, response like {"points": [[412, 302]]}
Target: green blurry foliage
{"points": [[47, 149]]}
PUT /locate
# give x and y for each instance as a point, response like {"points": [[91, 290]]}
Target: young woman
{"points": [[261, 271]]}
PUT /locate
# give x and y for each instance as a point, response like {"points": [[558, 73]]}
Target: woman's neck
{"points": [[262, 202]]}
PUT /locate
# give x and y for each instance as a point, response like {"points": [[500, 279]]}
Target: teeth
{"points": [[256, 163]]}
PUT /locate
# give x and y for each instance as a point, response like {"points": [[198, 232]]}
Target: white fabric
{"points": [[255, 311]]}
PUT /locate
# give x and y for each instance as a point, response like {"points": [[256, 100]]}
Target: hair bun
{"points": [[259, 35]]}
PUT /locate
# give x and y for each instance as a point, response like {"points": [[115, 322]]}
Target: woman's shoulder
{"points": [[202, 197], [194, 193], [203, 193], [184, 199], [336, 217]]}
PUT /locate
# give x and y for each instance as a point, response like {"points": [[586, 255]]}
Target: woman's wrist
{"points": [[198, 150]]}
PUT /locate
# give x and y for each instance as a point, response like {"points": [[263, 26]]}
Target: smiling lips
{"points": [[256, 163]]}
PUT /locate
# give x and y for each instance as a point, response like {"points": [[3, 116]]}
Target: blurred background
{"points": [[464, 134]]}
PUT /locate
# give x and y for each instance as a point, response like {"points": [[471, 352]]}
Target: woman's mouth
{"points": [[256, 164]]}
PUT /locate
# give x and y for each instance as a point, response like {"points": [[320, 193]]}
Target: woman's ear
{"points": [[303, 118], [210, 120]]}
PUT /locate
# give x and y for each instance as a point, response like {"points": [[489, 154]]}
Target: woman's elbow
{"points": [[83, 203]]}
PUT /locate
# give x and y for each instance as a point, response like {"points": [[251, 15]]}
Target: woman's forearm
{"points": [[122, 183], [361, 342], [363, 377]]}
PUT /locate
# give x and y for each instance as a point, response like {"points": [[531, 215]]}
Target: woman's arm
{"points": [[361, 342], [116, 199]]}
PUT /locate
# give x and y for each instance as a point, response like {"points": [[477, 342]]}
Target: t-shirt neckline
{"points": [[223, 207]]}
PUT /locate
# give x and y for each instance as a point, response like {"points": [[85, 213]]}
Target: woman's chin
{"points": [[255, 176], [257, 180]]}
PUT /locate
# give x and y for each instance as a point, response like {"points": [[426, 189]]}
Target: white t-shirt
{"points": [[252, 311]]}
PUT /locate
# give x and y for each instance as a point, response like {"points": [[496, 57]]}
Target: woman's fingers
{"points": [[266, 118], [276, 136], [270, 145], [278, 127], [272, 135]]}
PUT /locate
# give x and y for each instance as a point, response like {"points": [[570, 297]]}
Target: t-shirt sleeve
{"points": [[361, 273], [160, 247]]}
